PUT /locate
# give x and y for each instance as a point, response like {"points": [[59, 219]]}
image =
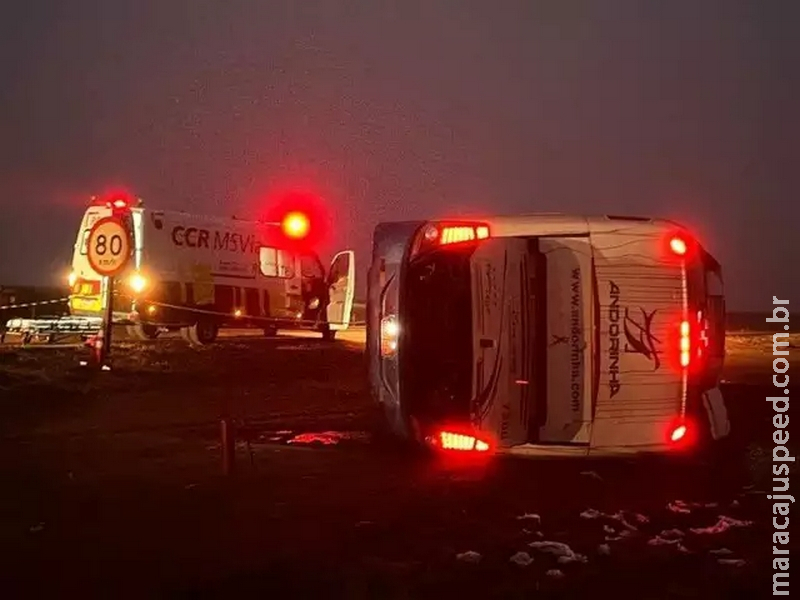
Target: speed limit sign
{"points": [[109, 247]]}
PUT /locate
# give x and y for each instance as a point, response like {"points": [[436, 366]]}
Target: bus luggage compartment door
{"points": [[569, 339]]}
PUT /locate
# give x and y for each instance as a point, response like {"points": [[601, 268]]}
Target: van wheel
{"points": [[143, 331], [201, 333]]}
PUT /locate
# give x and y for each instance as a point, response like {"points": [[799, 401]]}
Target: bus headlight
{"points": [[390, 332], [137, 282]]}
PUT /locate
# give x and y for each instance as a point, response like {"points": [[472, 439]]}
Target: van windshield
{"points": [[437, 334]]}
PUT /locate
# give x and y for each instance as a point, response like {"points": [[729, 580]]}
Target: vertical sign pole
{"points": [[108, 251], [108, 317]]}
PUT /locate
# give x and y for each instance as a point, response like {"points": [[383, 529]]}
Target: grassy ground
{"points": [[113, 486]]}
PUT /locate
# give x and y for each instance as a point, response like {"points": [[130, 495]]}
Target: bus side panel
{"points": [[640, 300], [502, 351], [569, 339]]}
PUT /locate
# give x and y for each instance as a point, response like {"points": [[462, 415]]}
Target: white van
{"points": [[198, 273], [547, 334]]}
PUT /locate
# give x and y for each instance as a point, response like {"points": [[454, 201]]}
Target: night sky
{"points": [[406, 109]]}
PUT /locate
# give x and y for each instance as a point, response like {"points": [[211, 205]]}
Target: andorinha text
{"points": [[781, 456]]}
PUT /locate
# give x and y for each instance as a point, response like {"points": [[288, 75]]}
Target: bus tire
{"points": [[202, 333], [143, 331]]}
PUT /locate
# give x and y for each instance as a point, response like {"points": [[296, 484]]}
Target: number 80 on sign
{"points": [[108, 247]]}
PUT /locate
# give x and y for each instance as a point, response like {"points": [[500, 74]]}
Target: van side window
{"points": [[85, 242], [276, 263], [310, 268]]}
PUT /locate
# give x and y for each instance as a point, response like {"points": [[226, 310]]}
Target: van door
{"points": [[341, 285], [503, 335]]}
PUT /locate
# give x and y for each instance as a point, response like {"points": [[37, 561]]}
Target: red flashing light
{"points": [[296, 225], [115, 200], [300, 216]]}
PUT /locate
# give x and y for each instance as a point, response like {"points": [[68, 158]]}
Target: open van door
{"points": [[341, 287]]}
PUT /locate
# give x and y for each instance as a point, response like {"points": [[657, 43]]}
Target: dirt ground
{"points": [[113, 486]]}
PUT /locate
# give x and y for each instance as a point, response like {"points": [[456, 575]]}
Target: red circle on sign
{"points": [[114, 265]]}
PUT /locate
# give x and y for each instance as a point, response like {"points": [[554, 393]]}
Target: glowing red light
{"points": [[460, 441], [678, 433], [686, 344], [296, 225], [678, 246], [454, 234], [120, 203]]}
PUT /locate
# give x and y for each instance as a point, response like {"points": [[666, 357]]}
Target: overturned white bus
{"points": [[547, 334]]}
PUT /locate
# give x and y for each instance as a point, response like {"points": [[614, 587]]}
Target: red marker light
{"points": [[678, 246], [462, 442], [455, 234], [296, 225], [678, 433], [686, 344], [120, 203]]}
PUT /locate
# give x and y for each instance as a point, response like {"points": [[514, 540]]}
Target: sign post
{"points": [[109, 251]]}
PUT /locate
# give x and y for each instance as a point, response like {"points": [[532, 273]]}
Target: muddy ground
{"points": [[112, 486]]}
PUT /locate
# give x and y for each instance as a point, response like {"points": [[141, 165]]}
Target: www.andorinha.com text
{"points": [[781, 455]]}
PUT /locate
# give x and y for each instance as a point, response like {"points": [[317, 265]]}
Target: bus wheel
{"points": [[203, 332], [143, 331]]}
